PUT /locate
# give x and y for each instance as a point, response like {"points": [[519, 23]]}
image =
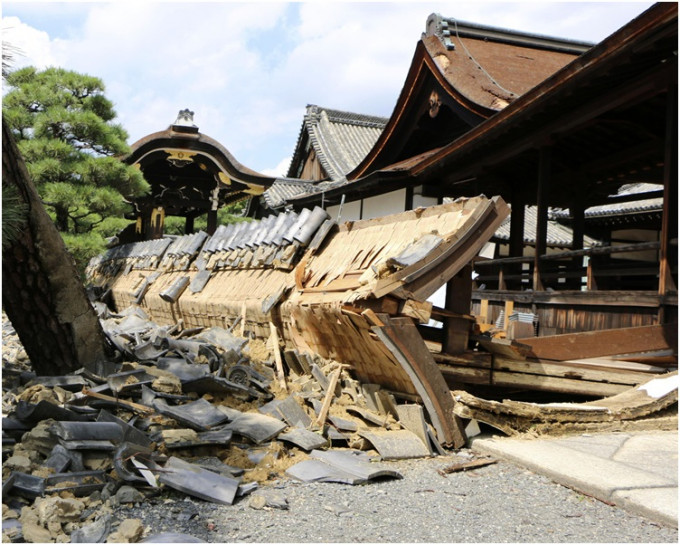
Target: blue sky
{"points": [[248, 70]]}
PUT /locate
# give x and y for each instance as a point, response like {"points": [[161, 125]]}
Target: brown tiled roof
{"points": [[486, 68], [490, 65]]}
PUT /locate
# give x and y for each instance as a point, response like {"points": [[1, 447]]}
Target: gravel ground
{"points": [[497, 503]]}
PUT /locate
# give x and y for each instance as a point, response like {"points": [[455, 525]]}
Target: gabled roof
{"points": [[283, 189], [460, 75], [339, 139], [191, 173], [606, 111]]}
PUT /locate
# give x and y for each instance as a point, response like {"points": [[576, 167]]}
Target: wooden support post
{"points": [[591, 280], [188, 225], [212, 222], [517, 227], [484, 311], [502, 284], [578, 228], [509, 308], [458, 300], [668, 254], [517, 218], [541, 214]]}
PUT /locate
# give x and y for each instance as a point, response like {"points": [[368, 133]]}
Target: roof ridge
{"points": [[444, 27], [344, 116]]}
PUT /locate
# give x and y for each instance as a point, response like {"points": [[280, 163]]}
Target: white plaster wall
{"points": [[419, 200], [350, 211], [383, 205]]}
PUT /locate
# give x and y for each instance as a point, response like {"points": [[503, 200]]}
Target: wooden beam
{"points": [[613, 298], [403, 340], [567, 370], [530, 381], [578, 231], [668, 256], [606, 342], [638, 89], [135, 407], [541, 213]]}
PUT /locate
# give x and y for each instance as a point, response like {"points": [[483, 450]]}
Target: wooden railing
{"points": [[565, 270]]}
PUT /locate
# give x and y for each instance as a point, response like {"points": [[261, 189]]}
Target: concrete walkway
{"points": [[637, 471]]}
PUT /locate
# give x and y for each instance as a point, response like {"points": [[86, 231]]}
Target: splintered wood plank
{"points": [[618, 376], [330, 393], [277, 357], [402, 338], [616, 364], [608, 342], [337, 284], [548, 383], [504, 347], [464, 466], [652, 397], [421, 311], [556, 384]]}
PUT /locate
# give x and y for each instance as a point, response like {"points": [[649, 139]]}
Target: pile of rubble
{"points": [[200, 411]]}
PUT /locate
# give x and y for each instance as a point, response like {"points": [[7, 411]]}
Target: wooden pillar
{"points": [[516, 240], [408, 200], [541, 213], [517, 227], [668, 254], [458, 300], [212, 222], [578, 228], [189, 225]]}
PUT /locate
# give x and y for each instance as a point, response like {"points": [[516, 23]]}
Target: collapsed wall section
{"points": [[351, 292]]}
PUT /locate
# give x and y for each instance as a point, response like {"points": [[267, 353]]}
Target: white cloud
{"points": [[33, 47], [279, 170], [249, 69]]}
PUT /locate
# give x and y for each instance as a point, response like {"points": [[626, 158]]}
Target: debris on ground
{"points": [[199, 412], [238, 362], [649, 406]]}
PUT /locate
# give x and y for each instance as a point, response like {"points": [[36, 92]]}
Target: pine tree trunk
{"points": [[41, 290]]}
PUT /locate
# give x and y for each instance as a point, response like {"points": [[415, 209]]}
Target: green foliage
{"points": [[63, 126], [84, 247], [111, 226], [175, 225]]}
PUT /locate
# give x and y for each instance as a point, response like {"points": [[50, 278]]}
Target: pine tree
{"points": [[64, 128], [41, 292]]}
